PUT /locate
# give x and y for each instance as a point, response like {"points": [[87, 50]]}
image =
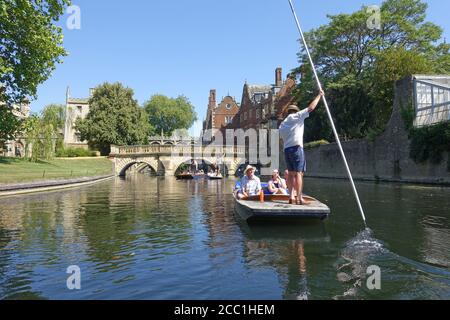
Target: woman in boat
{"points": [[277, 185], [250, 184]]}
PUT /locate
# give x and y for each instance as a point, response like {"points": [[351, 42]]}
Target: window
{"points": [[258, 97], [245, 116], [257, 113], [228, 106], [80, 109], [228, 120]]}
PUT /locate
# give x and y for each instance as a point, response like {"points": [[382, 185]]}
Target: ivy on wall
{"points": [[427, 143]]}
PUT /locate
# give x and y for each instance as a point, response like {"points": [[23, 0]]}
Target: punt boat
{"points": [[278, 207]]}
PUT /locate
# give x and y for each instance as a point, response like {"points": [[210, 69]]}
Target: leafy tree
{"points": [[358, 65], [8, 125], [166, 115], [30, 45], [114, 118], [43, 134], [30, 48]]}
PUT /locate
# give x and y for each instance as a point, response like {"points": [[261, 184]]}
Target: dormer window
{"points": [[228, 106], [258, 97]]}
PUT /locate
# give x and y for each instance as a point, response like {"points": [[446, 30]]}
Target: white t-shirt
{"points": [[293, 128], [253, 186]]}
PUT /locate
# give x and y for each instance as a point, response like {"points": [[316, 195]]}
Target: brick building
{"points": [[260, 108], [220, 116], [262, 105]]}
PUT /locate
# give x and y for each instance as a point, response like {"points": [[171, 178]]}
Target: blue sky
{"points": [[189, 47]]}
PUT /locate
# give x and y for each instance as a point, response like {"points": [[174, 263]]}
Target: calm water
{"points": [[158, 238]]}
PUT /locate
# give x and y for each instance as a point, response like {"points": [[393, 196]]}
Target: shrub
{"points": [[75, 153], [429, 143], [315, 144]]}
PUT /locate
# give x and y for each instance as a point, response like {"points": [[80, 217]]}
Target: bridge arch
{"points": [[124, 164], [187, 160]]}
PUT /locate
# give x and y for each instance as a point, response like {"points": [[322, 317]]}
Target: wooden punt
{"points": [[278, 207], [185, 176], [214, 177]]}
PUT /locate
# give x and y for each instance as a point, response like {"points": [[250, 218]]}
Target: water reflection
{"points": [[284, 247], [158, 238]]}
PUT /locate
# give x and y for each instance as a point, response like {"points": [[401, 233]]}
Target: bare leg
{"points": [[293, 185], [288, 182], [299, 181]]}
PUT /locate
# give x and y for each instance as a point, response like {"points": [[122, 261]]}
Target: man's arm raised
{"points": [[315, 102]]}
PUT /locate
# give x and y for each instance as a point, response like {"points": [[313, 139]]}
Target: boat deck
{"points": [[278, 207]]}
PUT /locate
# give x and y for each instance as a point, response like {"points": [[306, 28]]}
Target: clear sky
{"points": [[189, 47]]}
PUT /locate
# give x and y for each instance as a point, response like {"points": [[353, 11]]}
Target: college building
{"points": [[75, 108], [260, 107]]}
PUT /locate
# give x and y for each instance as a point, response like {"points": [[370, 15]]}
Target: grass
{"points": [[18, 170]]}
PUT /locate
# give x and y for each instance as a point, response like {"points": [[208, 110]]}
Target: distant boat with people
{"points": [[185, 176], [215, 176]]}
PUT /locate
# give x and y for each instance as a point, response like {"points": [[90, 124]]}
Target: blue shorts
{"points": [[295, 159]]}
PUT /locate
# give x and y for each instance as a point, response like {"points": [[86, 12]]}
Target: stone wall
{"points": [[387, 158]]}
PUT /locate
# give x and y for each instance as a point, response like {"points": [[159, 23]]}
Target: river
{"points": [[158, 238]]}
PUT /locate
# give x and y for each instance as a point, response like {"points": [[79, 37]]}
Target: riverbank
{"points": [[16, 171], [45, 186]]}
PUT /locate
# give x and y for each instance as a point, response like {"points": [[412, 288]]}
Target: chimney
{"points": [[278, 77], [212, 99]]}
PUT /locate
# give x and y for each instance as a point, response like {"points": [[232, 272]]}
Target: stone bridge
{"points": [[165, 159]]}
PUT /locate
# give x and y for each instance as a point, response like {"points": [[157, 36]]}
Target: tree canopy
{"points": [[43, 133], [166, 115], [30, 45], [9, 124], [358, 66], [30, 48], [114, 118]]}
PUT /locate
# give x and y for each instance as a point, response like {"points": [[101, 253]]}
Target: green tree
{"points": [[30, 48], [9, 124], [43, 133], [166, 115], [30, 45], [352, 61], [114, 118]]}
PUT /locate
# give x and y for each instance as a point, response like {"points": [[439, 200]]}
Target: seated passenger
{"points": [[250, 184], [277, 185]]}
